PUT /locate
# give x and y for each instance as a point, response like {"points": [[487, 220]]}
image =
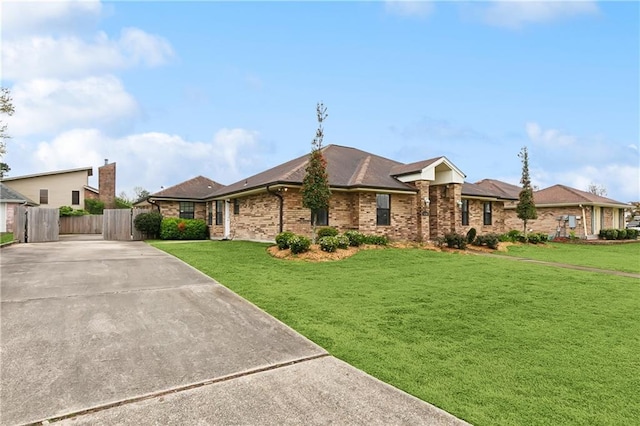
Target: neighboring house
{"points": [[9, 199], [185, 200], [372, 194], [53, 189], [563, 210]]}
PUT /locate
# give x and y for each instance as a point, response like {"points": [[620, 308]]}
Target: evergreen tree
{"points": [[526, 207], [6, 107], [315, 185]]}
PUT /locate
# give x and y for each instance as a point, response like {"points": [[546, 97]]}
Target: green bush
{"points": [[343, 242], [471, 235], [632, 234], [328, 243], [489, 240], [622, 234], [173, 228], [149, 223], [66, 211], [355, 238], [282, 239], [377, 240], [299, 244], [454, 240], [608, 234], [93, 206], [512, 236], [326, 232]]}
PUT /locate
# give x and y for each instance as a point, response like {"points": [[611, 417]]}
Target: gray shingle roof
{"points": [[473, 190], [347, 168], [561, 194], [9, 195], [502, 189]]}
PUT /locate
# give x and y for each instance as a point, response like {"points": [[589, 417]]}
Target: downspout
{"points": [[281, 205], [153, 203]]}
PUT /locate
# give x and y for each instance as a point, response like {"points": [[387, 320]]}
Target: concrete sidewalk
{"points": [[104, 332]]}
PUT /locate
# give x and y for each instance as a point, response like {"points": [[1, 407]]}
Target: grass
{"points": [[6, 237], [619, 257], [489, 340]]}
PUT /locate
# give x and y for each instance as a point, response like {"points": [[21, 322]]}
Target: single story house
{"points": [[563, 211], [369, 193], [9, 199], [185, 200]]}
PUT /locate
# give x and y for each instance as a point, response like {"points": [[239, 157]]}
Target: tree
{"points": [[6, 107], [315, 185], [526, 207], [597, 189], [139, 194]]}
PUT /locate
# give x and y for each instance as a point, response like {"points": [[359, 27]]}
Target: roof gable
{"points": [[437, 170], [56, 172], [197, 188], [10, 195]]}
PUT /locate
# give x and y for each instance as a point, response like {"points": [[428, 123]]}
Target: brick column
{"points": [[422, 221], [107, 185]]}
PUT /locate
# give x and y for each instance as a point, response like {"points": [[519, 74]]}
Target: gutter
{"points": [[281, 205]]}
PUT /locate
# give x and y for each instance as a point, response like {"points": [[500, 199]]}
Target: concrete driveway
{"points": [[104, 332]]}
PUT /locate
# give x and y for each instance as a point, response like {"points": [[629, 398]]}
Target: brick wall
{"points": [[172, 209], [476, 218], [445, 215], [107, 185]]}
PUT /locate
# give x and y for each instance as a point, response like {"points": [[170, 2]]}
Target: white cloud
{"points": [[515, 14], [21, 17], [621, 181], [549, 137], [72, 56], [409, 8], [50, 106], [154, 159]]}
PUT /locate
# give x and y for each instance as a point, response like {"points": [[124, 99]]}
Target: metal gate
{"points": [[36, 224]]}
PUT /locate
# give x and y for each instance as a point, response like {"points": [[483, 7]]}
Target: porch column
{"points": [[227, 220]]}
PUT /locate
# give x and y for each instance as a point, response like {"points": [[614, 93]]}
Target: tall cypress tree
{"points": [[526, 207], [315, 185]]}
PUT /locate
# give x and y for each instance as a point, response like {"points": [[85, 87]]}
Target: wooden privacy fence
{"points": [[118, 224], [36, 224], [88, 224]]}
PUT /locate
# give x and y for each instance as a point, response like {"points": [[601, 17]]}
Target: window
{"points": [[322, 217], [187, 209], [44, 196], [383, 209], [465, 212], [219, 210], [236, 206], [210, 222], [487, 213], [75, 198]]}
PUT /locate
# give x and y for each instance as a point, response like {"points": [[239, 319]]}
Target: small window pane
{"points": [[383, 210], [465, 212], [322, 217], [187, 209], [219, 210], [487, 213], [236, 206], [75, 197], [44, 196]]}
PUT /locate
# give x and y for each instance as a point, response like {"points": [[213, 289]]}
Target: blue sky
{"points": [[172, 90]]}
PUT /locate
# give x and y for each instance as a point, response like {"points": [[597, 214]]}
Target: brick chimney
{"points": [[107, 184]]}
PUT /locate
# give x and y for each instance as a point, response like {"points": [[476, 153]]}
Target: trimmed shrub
{"points": [[343, 242], [622, 234], [512, 236], [328, 243], [454, 240], [489, 240], [66, 211], [282, 239], [326, 232], [632, 234], [355, 238], [299, 244], [173, 228], [471, 235], [609, 234], [149, 223], [376, 240]]}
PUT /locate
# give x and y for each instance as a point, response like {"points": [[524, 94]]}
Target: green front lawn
{"points": [[492, 341], [6, 237], [619, 257]]}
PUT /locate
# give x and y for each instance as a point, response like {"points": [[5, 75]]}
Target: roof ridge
{"points": [[360, 171], [294, 170]]}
